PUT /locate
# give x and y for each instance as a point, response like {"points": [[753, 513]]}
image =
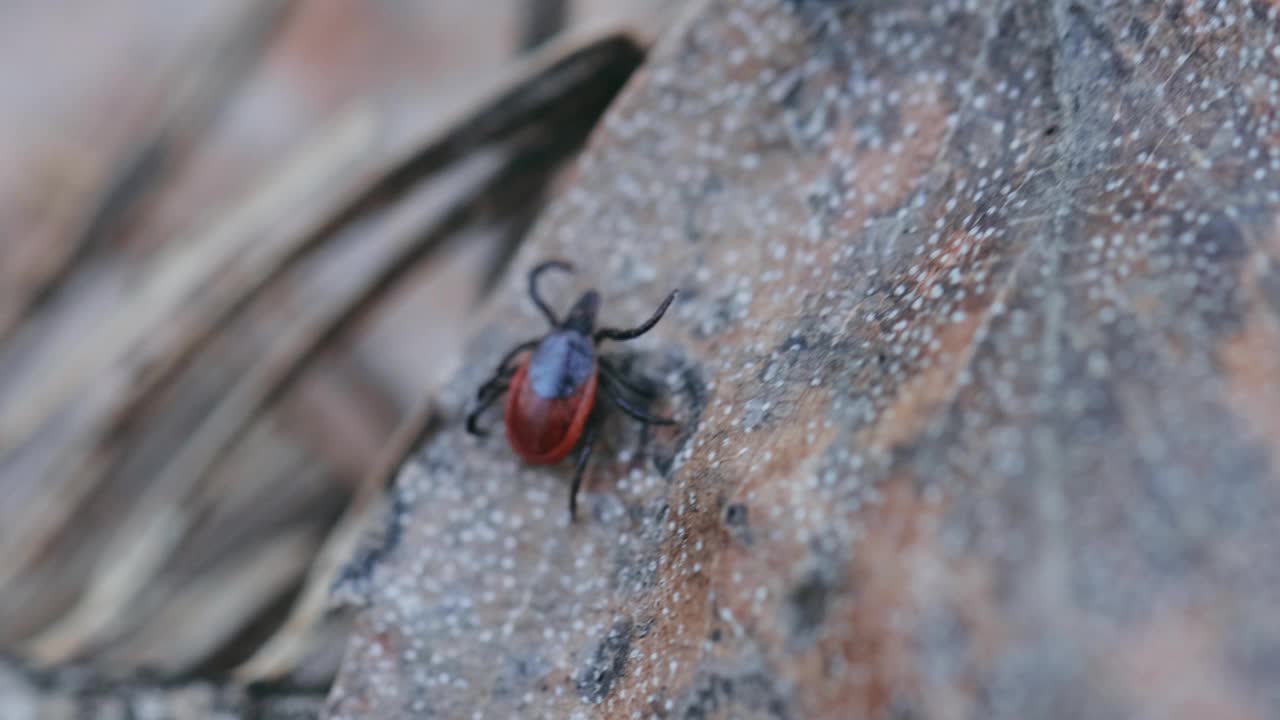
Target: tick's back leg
{"points": [[611, 392], [588, 442], [620, 378]]}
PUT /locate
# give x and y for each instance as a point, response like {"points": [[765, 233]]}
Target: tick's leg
{"points": [[500, 379], [588, 440], [491, 391], [617, 334], [611, 392], [617, 376], [622, 381], [503, 373], [495, 386], [643, 443], [533, 287]]}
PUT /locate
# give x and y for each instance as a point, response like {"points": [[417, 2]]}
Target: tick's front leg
{"points": [[491, 391]]}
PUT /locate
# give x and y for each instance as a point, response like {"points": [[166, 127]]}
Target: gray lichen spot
{"points": [[607, 664]]}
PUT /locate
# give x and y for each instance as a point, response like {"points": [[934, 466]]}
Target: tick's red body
{"points": [[545, 430], [551, 384]]}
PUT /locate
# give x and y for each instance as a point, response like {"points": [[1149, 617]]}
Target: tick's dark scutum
{"points": [[561, 364]]}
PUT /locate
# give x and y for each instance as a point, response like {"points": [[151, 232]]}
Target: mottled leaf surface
{"points": [[976, 355]]}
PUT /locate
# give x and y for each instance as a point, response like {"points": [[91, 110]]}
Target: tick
{"points": [[552, 383]]}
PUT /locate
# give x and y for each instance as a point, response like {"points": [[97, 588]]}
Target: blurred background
{"points": [[241, 243]]}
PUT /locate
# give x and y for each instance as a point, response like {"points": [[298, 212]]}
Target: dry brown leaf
{"points": [[959, 360]]}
